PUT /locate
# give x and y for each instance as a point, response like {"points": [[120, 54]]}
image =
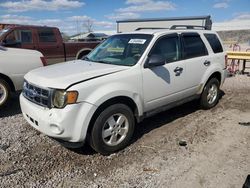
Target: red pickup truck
{"points": [[47, 40]]}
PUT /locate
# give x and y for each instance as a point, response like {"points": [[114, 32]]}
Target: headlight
{"points": [[61, 98]]}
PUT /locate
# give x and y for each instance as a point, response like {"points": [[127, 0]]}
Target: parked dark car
{"points": [[47, 40]]}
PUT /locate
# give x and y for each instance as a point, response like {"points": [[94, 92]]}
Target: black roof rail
{"points": [[188, 27], [140, 28]]}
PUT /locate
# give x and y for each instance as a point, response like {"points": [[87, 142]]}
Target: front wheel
{"points": [[4, 92], [113, 129], [210, 94]]}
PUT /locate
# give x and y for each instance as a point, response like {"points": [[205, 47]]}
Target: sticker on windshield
{"points": [[137, 41]]}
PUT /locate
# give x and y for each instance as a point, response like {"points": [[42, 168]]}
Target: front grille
{"points": [[36, 94]]}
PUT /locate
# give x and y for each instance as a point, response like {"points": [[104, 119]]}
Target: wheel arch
{"points": [[118, 99], [9, 81], [215, 74], [82, 52]]}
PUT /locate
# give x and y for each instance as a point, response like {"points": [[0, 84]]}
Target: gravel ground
{"points": [[217, 152]]}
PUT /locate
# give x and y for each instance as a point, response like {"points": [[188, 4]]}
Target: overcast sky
{"points": [[69, 15]]}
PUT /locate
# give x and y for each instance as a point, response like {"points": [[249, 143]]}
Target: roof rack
{"points": [[188, 27], [173, 27]]}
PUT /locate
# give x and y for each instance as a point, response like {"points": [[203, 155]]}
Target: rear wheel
{"points": [[4, 92], [113, 129], [210, 94]]}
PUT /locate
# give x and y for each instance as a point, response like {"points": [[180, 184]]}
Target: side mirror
{"points": [[154, 61]]}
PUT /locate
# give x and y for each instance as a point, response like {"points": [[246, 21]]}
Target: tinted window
{"points": [[193, 46], [214, 43], [168, 47], [46, 35], [26, 36]]}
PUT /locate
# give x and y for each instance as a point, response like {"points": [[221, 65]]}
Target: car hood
{"points": [[62, 75]]}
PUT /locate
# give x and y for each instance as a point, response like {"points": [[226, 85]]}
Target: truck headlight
{"points": [[61, 98]]}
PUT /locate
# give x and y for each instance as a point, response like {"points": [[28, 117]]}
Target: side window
{"points": [[193, 46], [46, 35], [23, 36], [168, 47], [214, 43]]}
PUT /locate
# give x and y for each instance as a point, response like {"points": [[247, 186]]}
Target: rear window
{"points": [[214, 43], [193, 46], [46, 35]]}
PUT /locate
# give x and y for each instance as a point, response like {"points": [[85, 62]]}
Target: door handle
{"points": [[178, 71], [207, 63]]}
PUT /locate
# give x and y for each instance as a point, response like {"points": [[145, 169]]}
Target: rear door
{"points": [[196, 58], [50, 46]]}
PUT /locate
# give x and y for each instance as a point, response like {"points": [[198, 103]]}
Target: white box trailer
{"points": [[204, 22]]}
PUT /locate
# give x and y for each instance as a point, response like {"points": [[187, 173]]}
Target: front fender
{"points": [[111, 90]]}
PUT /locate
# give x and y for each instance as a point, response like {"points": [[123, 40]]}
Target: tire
{"points": [[210, 95], [4, 93], [108, 135]]}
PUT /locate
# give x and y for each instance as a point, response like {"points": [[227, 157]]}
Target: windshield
{"points": [[3, 31], [124, 49]]}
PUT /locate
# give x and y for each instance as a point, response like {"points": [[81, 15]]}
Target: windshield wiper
{"points": [[97, 61], [100, 61]]}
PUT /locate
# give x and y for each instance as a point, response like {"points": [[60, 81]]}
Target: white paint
{"points": [[149, 88], [15, 63]]}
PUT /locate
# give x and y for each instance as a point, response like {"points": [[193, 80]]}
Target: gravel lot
{"points": [[217, 152]]}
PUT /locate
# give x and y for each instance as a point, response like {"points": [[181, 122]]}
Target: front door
{"points": [[165, 84]]}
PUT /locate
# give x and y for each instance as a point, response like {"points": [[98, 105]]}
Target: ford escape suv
{"points": [[128, 77]]}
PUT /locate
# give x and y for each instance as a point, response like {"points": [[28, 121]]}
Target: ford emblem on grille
{"points": [[38, 95]]}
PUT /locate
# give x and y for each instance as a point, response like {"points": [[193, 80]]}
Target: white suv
{"points": [[128, 77], [14, 64]]}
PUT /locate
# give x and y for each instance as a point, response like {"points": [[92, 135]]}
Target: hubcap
{"points": [[212, 94], [3, 94], [115, 129]]}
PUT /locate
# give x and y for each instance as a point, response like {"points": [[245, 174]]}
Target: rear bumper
{"points": [[68, 124], [223, 76]]}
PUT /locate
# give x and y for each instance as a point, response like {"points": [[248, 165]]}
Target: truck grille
{"points": [[36, 94]]}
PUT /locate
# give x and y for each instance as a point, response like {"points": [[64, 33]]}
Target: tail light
{"points": [[44, 61], [226, 61]]}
